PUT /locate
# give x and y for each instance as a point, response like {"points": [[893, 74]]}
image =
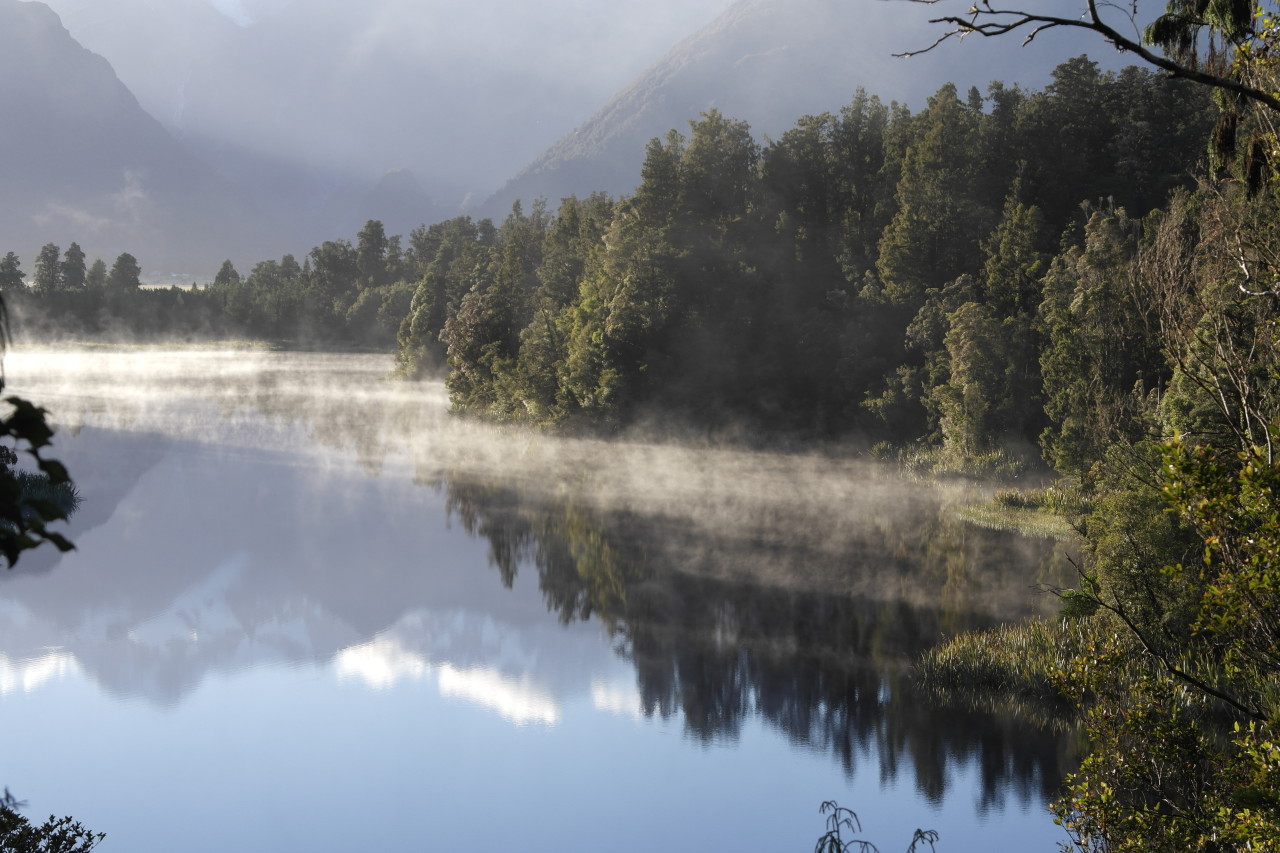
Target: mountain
{"points": [[769, 62], [308, 104], [81, 161]]}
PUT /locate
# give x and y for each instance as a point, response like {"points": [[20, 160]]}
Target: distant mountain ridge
{"points": [[770, 62], [308, 104], [80, 160]]}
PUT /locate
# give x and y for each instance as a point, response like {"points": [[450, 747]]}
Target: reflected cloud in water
{"points": [[24, 675], [383, 663], [380, 664]]}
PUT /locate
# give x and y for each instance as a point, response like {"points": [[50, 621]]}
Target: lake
{"points": [[310, 610]]}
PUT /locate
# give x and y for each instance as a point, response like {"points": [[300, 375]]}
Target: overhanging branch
{"points": [[986, 20]]}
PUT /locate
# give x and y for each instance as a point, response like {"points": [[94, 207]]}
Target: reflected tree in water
{"points": [[831, 672]]}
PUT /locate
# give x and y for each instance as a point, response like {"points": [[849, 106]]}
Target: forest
{"points": [[1078, 280]]}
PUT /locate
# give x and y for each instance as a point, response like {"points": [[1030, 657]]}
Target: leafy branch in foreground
{"points": [[26, 512], [55, 835]]}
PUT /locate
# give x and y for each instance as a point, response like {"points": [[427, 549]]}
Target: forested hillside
{"points": [[871, 271]]}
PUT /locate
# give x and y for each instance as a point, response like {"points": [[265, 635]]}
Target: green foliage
{"points": [[935, 235], [29, 502], [55, 835], [125, 274], [455, 257], [1095, 369], [1062, 498], [1054, 511], [816, 284], [372, 256], [227, 275], [971, 401], [11, 275], [1229, 502], [71, 272], [1030, 666], [870, 272], [26, 511], [1169, 656], [339, 297], [1016, 260], [935, 462], [48, 276], [96, 278]]}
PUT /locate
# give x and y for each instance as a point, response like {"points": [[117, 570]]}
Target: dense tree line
{"points": [[340, 295], [871, 270]]}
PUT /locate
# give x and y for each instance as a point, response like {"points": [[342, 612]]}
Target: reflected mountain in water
{"points": [[247, 510]]}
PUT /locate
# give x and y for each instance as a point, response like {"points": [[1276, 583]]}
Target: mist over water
{"points": [[296, 575]]}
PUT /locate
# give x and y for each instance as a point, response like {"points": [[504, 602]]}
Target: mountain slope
{"points": [[80, 160], [770, 62], [309, 103]]}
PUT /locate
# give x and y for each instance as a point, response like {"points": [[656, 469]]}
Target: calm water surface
{"points": [[311, 611]]}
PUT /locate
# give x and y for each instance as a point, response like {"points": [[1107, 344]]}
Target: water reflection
{"points": [[831, 672], [244, 510]]}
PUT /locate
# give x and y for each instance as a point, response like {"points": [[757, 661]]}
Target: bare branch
{"points": [[988, 21]]}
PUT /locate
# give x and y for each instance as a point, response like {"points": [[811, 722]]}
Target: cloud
{"points": [[56, 215], [130, 198], [234, 10], [245, 13]]}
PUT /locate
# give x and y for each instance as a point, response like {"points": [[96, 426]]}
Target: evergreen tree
{"points": [[718, 169], [483, 337], [125, 274], [289, 268], [1096, 365], [96, 278], [617, 331], [48, 277], [11, 276], [866, 179], [72, 269], [227, 275], [372, 246], [973, 400], [658, 198], [1016, 260], [572, 235], [460, 252], [333, 284], [940, 220]]}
